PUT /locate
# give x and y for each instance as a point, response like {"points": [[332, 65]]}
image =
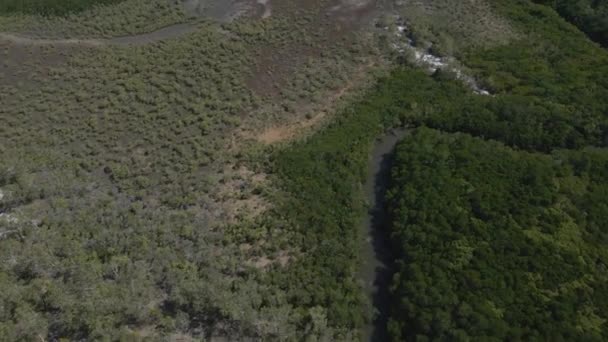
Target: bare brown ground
{"points": [[331, 21], [292, 130], [29, 64], [282, 258], [288, 132], [236, 194]]}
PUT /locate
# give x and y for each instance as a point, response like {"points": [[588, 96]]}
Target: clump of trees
{"points": [[112, 192], [588, 15], [495, 242], [481, 225]]}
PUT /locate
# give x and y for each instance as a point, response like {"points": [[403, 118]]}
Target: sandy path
{"points": [[168, 32], [287, 132]]}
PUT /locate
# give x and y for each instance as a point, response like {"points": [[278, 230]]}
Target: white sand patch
{"points": [[432, 62], [267, 9]]}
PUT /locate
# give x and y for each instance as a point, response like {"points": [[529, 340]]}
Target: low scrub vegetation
{"points": [[124, 17], [450, 27], [138, 205], [110, 162]]}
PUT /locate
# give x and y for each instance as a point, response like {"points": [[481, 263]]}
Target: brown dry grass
{"points": [[236, 197], [290, 131], [282, 259]]}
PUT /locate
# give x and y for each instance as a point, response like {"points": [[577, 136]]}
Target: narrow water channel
{"points": [[376, 270]]}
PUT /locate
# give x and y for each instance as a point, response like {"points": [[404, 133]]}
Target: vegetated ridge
{"points": [[588, 15]]}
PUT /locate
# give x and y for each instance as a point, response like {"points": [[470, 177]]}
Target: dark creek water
{"points": [[376, 270]]}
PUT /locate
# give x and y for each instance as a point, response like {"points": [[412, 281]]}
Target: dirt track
{"points": [[219, 12]]}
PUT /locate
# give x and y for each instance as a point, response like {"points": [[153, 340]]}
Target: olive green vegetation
{"points": [[591, 16], [449, 27], [496, 243], [550, 92], [123, 195], [50, 7], [106, 170], [321, 177]]}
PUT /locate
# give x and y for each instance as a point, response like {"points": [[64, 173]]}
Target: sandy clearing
{"points": [[290, 131]]}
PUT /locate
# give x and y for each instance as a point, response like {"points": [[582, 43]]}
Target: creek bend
{"points": [[376, 269]]}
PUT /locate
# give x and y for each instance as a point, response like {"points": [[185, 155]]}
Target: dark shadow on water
{"points": [[377, 269]]}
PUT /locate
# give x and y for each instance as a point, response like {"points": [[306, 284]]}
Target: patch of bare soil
{"points": [[282, 259], [238, 194], [329, 22], [28, 64], [266, 9], [292, 130]]}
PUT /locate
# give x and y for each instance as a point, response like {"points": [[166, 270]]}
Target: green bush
{"points": [[588, 15], [491, 243]]}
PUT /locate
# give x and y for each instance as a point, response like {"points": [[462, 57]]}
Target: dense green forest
{"points": [[550, 92], [323, 202], [591, 16], [498, 243], [49, 7]]}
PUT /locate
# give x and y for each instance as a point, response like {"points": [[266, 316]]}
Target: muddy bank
{"points": [[376, 269]]}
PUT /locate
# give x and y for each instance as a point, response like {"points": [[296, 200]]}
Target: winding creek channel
{"points": [[222, 12], [377, 259], [376, 269]]}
